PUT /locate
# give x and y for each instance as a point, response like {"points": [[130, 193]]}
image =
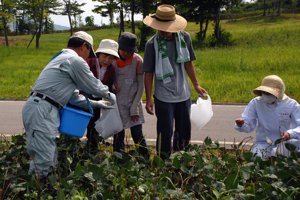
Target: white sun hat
{"points": [[108, 46]]}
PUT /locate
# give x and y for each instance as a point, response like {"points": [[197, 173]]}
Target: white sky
{"points": [[63, 20]]}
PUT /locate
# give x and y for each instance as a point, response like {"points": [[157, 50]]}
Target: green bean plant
{"points": [[206, 171]]}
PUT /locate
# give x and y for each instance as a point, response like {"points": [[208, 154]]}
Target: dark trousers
{"points": [[138, 138], [91, 134], [166, 114]]}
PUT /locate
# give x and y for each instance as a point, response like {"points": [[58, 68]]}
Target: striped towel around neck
{"points": [[163, 68]]}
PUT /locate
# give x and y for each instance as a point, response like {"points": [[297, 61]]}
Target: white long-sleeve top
{"points": [[270, 120]]}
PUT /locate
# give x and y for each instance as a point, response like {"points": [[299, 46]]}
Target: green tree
{"points": [[72, 8], [89, 21], [107, 8], [6, 17]]}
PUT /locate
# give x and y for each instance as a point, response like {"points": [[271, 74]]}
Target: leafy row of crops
{"points": [[205, 171]]}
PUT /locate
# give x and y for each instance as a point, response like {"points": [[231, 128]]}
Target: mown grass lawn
{"points": [[261, 47]]}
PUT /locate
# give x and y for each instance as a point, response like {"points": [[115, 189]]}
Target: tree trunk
{"points": [[121, 18], [217, 21], [264, 8], [39, 32], [46, 24], [279, 7], [69, 17], [31, 40], [144, 27], [5, 32], [206, 26], [132, 17]]}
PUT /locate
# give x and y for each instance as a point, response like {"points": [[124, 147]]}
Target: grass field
{"points": [[261, 47]]}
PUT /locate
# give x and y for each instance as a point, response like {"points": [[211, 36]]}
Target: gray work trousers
{"points": [[41, 122]]}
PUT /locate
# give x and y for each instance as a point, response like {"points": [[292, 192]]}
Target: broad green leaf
{"points": [[187, 158], [89, 176], [218, 185], [290, 147], [207, 141], [70, 159], [197, 187], [231, 181], [283, 174], [78, 170], [60, 194], [118, 154], [207, 180], [216, 193], [184, 168], [97, 171], [12, 152], [159, 162], [269, 141], [199, 159], [278, 141], [176, 163], [245, 172], [64, 183]]}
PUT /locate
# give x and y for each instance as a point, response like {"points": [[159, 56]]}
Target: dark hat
{"points": [[128, 42]]}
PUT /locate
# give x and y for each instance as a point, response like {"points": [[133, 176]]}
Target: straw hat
{"points": [[273, 85], [87, 38], [108, 46], [166, 20]]}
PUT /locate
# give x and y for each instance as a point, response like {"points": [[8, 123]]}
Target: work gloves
{"points": [[111, 98], [103, 104], [108, 102]]}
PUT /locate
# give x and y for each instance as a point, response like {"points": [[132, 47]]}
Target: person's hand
{"points": [[134, 118], [149, 107], [102, 104], [111, 98], [201, 91], [116, 89], [239, 122], [285, 136]]}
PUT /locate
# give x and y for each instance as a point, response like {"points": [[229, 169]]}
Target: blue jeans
{"points": [[138, 138], [166, 114]]}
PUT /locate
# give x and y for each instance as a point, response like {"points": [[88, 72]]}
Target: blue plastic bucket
{"points": [[73, 122]]}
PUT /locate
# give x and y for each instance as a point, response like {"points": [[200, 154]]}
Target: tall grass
{"points": [[261, 47]]}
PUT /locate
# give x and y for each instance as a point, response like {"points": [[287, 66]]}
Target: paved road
{"points": [[220, 127]]}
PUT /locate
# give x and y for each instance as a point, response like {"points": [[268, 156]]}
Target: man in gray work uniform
{"points": [[57, 85]]}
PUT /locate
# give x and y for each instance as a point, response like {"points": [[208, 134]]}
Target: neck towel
{"points": [[163, 67]]}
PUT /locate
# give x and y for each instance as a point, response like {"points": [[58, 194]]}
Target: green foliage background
{"points": [[260, 47]]}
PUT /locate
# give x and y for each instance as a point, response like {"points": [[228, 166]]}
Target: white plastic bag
{"points": [[109, 123], [201, 112]]}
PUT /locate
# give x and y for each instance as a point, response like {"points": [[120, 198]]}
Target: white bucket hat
{"points": [[166, 20], [87, 38], [273, 85], [108, 46]]}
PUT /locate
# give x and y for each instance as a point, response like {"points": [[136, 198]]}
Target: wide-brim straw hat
{"points": [[108, 46], [273, 85], [165, 19]]}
